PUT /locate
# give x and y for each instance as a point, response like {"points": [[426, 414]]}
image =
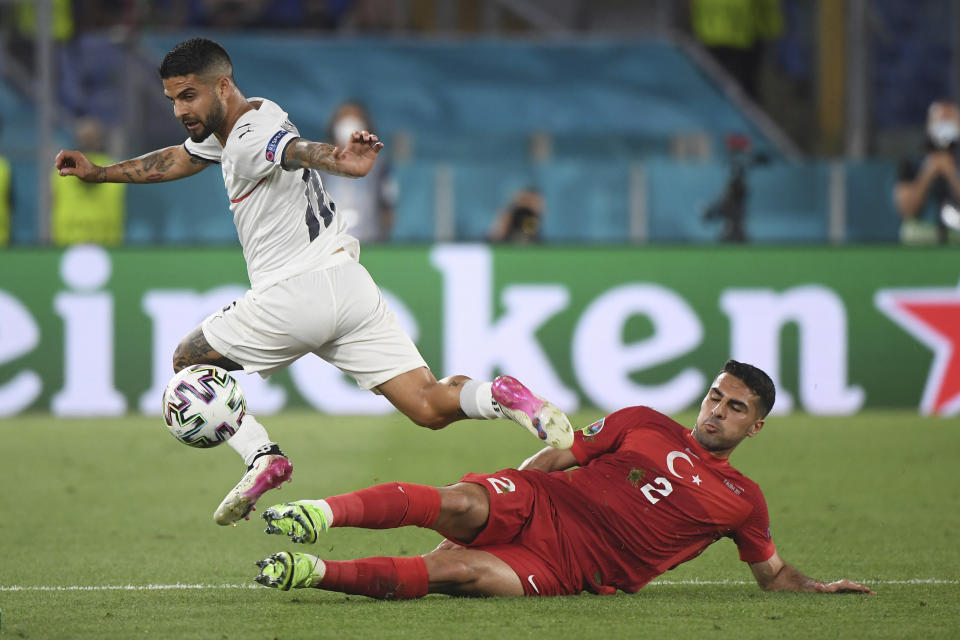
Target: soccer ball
{"points": [[203, 406]]}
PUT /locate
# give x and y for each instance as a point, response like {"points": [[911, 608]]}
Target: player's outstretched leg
{"points": [[381, 577], [435, 404], [301, 520], [287, 571], [382, 506], [540, 417], [268, 471]]}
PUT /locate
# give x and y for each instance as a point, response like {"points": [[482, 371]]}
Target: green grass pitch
{"points": [[92, 507]]}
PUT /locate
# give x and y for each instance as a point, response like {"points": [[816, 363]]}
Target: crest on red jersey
{"points": [[594, 428]]}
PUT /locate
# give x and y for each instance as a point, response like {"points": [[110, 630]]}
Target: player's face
{"points": [[196, 104], [728, 414]]}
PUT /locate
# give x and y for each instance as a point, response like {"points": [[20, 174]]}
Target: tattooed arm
{"points": [[353, 161], [161, 165]]}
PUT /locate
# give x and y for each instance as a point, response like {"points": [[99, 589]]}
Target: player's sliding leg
{"points": [[459, 511], [457, 572], [429, 403], [267, 467]]}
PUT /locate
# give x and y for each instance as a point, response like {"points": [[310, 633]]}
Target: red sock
{"points": [[384, 578], [386, 506]]}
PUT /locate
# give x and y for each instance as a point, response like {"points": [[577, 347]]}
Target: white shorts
{"points": [[337, 313]]}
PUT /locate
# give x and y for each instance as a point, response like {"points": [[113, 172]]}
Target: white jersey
{"points": [[286, 223]]}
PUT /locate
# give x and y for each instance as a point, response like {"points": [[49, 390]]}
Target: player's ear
{"points": [[755, 428]]}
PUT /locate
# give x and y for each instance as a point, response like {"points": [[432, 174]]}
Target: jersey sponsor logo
{"points": [[272, 145], [594, 428], [502, 485], [247, 128]]}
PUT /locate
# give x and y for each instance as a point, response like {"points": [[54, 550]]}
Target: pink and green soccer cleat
{"points": [[539, 417]]}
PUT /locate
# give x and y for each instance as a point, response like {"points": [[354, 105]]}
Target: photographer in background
{"points": [[927, 193], [521, 220], [731, 206]]}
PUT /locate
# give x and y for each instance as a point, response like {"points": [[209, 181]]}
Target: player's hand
{"points": [[74, 163], [447, 545], [358, 155], [843, 586]]}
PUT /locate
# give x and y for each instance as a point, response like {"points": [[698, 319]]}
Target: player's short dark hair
{"points": [[756, 380], [198, 56]]}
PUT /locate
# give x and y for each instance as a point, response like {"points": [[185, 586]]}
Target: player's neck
{"points": [[237, 105]]}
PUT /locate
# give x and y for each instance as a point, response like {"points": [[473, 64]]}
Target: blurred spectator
{"points": [[736, 32], [366, 204], [20, 22], [6, 197], [83, 211], [927, 193], [246, 14], [520, 222]]}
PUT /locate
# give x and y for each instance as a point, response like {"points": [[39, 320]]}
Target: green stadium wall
{"points": [[91, 332]]}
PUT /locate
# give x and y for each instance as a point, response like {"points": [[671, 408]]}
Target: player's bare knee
{"points": [[456, 500], [464, 574]]}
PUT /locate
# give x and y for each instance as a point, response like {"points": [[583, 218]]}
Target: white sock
{"points": [[324, 507], [477, 401], [250, 439]]}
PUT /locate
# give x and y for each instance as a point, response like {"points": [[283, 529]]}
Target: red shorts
{"points": [[522, 532]]}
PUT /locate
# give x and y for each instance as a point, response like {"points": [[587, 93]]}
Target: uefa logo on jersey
{"points": [[594, 428]]}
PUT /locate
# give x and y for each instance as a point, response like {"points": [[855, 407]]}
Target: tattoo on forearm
{"points": [[304, 154], [101, 174], [157, 166]]}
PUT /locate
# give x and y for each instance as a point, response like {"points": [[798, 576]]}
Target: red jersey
{"points": [[646, 498]]}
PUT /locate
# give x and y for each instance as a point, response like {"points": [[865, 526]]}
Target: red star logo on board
{"points": [[932, 316]]}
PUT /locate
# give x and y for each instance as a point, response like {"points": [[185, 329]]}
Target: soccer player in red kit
{"points": [[648, 494]]}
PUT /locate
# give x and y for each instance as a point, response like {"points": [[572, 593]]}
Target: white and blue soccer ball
{"points": [[203, 406]]}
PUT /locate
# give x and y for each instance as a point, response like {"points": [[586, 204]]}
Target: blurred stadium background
{"points": [[690, 208], [694, 204]]}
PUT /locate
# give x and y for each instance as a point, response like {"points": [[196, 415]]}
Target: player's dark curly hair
{"points": [[756, 380], [198, 56]]}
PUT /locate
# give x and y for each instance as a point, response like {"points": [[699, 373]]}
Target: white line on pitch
{"points": [[168, 587], [127, 587]]}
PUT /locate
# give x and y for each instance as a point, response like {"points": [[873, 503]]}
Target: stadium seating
{"points": [[468, 113]]}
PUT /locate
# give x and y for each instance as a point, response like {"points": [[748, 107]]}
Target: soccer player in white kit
{"points": [[308, 293]]}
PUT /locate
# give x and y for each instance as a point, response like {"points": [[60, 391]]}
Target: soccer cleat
{"points": [[298, 520], [287, 571], [267, 472], [541, 418]]}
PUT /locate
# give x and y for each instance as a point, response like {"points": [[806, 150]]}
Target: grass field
{"points": [[107, 533]]}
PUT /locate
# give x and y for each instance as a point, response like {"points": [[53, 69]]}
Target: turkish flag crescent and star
{"points": [[932, 316]]}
